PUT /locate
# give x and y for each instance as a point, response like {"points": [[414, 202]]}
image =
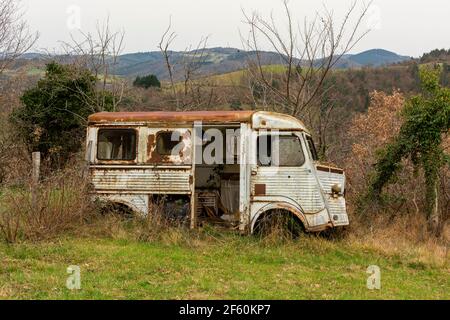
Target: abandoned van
{"points": [[235, 167]]}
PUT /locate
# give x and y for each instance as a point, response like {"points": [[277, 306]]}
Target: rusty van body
{"points": [[133, 157]]}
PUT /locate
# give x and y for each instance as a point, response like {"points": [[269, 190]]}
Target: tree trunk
{"points": [[432, 206], [36, 157]]}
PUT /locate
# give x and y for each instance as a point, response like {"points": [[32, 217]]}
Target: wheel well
{"points": [[274, 214], [118, 207], [174, 207]]}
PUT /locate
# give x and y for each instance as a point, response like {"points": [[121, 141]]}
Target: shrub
{"points": [[368, 132], [426, 121], [54, 113], [403, 198]]}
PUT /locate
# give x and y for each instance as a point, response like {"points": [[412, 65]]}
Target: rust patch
{"points": [[260, 189], [329, 169], [152, 155], [116, 162], [172, 116], [183, 155]]}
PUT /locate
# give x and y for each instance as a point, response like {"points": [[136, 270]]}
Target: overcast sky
{"points": [[408, 27]]}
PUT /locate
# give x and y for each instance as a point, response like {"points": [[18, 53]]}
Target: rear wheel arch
{"points": [[119, 206]]}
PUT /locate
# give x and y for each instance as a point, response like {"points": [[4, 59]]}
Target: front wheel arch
{"points": [[288, 209]]}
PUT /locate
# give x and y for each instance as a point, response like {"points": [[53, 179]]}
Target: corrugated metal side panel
{"points": [[327, 179], [337, 208], [336, 205], [149, 180], [296, 183]]}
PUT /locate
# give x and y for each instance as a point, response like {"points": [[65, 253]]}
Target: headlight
{"points": [[336, 188]]}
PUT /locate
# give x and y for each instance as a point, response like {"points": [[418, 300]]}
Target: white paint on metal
{"points": [[244, 177], [303, 190], [139, 203], [336, 203], [149, 180], [271, 120]]}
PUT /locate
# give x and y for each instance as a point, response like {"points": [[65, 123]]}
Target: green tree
{"points": [[415, 74], [445, 75], [147, 81], [426, 120], [53, 114]]}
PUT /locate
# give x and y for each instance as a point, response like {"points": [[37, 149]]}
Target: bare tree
{"points": [[191, 60], [166, 41], [15, 35], [99, 52], [307, 52]]}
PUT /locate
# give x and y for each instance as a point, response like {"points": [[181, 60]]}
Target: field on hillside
{"points": [[216, 266]]}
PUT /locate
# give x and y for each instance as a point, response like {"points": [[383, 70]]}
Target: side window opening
{"points": [[312, 148], [264, 150], [283, 151], [165, 142], [116, 144]]}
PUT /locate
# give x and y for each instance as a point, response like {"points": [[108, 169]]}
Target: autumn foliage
{"points": [[404, 198]]}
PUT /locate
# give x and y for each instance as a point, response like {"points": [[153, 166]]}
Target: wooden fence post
{"points": [[36, 157]]}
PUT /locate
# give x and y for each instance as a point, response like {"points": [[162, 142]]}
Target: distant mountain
{"points": [[32, 56], [222, 60], [376, 58], [214, 61]]}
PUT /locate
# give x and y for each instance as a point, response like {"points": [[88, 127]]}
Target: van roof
{"points": [[258, 119], [172, 116]]}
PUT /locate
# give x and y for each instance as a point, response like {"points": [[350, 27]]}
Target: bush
{"points": [[367, 133], [53, 114], [403, 199], [426, 122]]}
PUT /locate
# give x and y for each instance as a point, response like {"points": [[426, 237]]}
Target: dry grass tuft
{"points": [[159, 226], [402, 235]]}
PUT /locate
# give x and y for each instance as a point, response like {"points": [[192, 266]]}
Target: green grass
{"points": [[231, 267], [233, 78], [35, 71]]}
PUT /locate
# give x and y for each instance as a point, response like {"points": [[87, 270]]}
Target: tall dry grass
{"points": [[62, 204], [404, 235]]}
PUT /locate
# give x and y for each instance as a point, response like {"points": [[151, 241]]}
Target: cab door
{"points": [[283, 173]]}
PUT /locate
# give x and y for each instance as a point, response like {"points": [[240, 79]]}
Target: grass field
{"points": [[221, 266]]}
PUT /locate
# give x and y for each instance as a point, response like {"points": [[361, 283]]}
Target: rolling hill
{"points": [[217, 60], [223, 60], [376, 58]]}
